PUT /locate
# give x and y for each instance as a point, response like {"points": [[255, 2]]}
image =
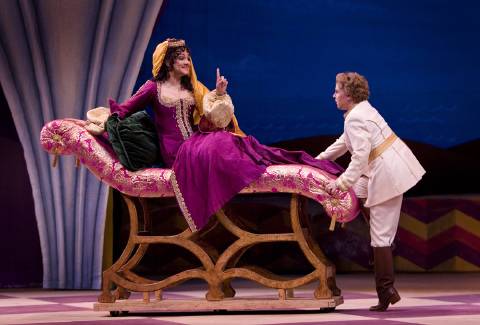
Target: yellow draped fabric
{"points": [[199, 90]]}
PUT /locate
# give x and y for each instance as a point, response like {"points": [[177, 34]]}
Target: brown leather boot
{"points": [[366, 217], [384, 278]]}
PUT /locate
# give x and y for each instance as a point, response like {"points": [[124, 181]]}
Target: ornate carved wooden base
{"points": [[217, 270]]}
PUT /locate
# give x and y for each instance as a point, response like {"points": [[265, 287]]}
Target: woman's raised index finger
{"points": [[218, 73]]}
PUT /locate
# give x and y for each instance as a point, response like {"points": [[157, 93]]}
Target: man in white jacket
{"points": [[381, 169]]}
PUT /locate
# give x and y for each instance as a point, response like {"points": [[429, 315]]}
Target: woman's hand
{"points": [[222, 84]]}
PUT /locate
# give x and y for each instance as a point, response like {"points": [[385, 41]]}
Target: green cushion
{"points": [[134, 140]]}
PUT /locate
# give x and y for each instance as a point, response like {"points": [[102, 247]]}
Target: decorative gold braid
{"points": [[181, 203], [186, 120], [180, 122]]}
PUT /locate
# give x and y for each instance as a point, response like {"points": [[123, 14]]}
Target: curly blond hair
{"points": [[354, 84]]}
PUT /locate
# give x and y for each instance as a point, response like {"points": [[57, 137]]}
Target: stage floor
{"points": [[452, 298]]}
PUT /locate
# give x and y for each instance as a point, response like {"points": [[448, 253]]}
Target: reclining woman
{"points": [[199, 137]]}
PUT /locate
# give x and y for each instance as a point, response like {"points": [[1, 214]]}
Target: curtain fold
{"points": [[58, 59]]}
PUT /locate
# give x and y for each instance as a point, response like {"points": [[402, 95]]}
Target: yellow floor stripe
{"points": [[404, 265], [468, 223], [414, 226], [455, 264], [450, 219]]}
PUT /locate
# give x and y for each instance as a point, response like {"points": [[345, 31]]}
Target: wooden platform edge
{"points": [[234, 304]]}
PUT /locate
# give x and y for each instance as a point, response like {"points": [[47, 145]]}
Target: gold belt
{"points": [[377, 151]]}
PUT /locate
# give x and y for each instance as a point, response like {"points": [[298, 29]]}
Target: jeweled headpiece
{"points": [[161, 50], [172, 42]]}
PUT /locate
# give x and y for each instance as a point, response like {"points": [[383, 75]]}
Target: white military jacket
{"points": [[392, 173]]}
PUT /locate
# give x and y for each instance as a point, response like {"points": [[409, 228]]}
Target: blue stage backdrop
{"points": [[281, 57]]}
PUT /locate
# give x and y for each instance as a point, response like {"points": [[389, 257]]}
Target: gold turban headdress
{"points": [[199, 90]]}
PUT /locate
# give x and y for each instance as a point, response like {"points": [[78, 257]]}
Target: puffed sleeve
{"points": [[218, 109], [200, 92], [335, 150], [137, 102], [359, 136]]}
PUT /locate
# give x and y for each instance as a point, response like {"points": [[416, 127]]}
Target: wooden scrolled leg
{"points": [[284, 294], [121, 293], [146, 297], [332, 285], [106, 297], [327, 287], [227, 289], [215, 292], [322, 292]]}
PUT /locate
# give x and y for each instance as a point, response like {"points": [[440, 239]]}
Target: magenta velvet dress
{"points": [[208, 168]]}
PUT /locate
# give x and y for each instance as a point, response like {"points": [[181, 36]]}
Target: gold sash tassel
{"points": [[55, 160], [332, 223]]}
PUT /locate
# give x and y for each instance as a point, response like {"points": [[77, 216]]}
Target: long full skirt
{"points": [[211, 168]]}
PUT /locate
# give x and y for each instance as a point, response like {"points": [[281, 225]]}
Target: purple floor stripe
{"points": [[143, 321], [470, 298], [420, 311], [358, 295], [38, 309], [69, 299], [353, 322]]}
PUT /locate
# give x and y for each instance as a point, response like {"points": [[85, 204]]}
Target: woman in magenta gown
{"points": [[210, 164]]}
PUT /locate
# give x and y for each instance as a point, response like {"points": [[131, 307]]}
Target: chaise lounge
{"points": [[217, 269]]}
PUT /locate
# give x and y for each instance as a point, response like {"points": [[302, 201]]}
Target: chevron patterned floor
{"points": [[433, 298], [439, 234], [435, 234]]}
